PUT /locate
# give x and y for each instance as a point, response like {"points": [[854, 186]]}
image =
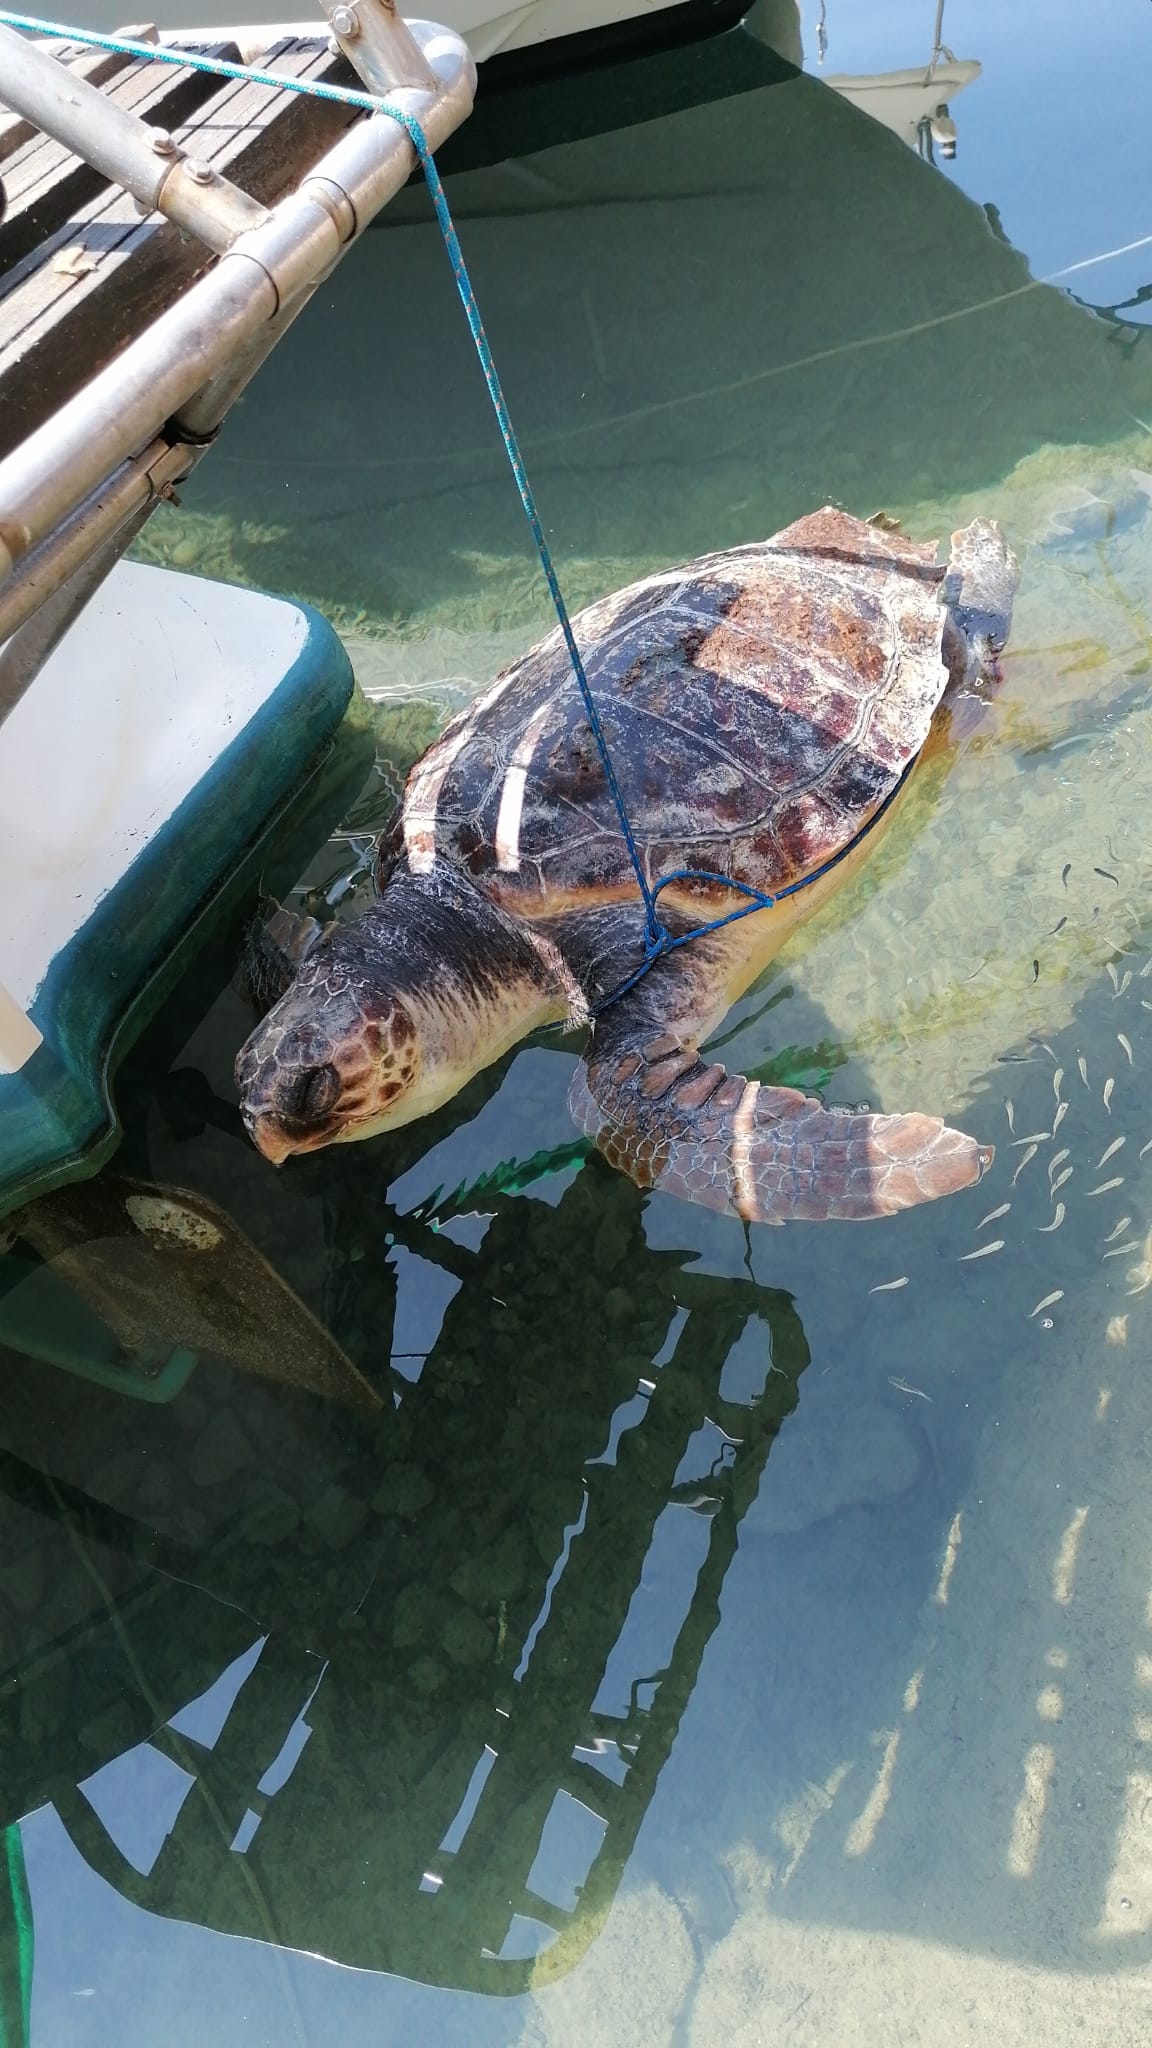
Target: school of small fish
{"points": [[1118, 1242]]}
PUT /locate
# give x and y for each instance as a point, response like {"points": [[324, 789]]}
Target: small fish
{"points": [[1110, 971], [993, 1214], [1133, 1245], [1049, 1301], [890, 1286], [1061, 1178], [1123, 983], [1033, 1138], [1144, 1005], [1107, 877], [1066, 873], [1146, 970], [1031, 1154], [1058, 927], [1057, 1077], [1083, 1066], [1061, 1113], [1110, 1152], [1126, 1046], [1010, 1113], [1106, 1185], [1045, 1047], [1144, 1149], [1057, 1220], [1035, 970], [902, 1387], [1108, 1087], [1057, 1160], [1118, 1230], [982, 1252]]}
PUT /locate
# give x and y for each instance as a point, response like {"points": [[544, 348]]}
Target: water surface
{"points": [[668, 1637]]}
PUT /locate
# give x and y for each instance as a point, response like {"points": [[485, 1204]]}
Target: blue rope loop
{"points": [[658, 940]]}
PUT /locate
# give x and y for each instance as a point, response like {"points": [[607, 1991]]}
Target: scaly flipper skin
{"points": [[661, 1115]]}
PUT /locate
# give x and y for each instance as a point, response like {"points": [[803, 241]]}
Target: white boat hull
{"points": [[491, 28]]}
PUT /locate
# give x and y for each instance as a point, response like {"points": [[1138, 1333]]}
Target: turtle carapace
{"points": [[761, 706]]}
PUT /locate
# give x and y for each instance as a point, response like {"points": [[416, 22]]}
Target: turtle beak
{"points": [[269, 1138]]}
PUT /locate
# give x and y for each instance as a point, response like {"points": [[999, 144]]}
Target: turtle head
{"points": [[390, 1015], [338, 1057], [980, 585]]}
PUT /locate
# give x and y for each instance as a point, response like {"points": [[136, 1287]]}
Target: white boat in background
{"points": [[491, 28], [913, 103]]}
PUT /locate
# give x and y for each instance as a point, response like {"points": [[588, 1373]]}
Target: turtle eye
{"points": [[311, 1093]]}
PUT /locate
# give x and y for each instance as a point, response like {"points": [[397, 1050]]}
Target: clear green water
{"points": [[699, 1641]]}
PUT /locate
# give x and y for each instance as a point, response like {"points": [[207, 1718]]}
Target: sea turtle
{"points": [[761, 706]]}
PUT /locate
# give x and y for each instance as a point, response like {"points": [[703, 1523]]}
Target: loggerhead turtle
{"points": [[762, 706]]}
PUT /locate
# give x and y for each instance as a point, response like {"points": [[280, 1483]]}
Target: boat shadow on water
{"points": [[489, 1595]]}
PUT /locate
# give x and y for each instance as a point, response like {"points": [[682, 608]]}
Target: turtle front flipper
{"points": [[657, 1111]]}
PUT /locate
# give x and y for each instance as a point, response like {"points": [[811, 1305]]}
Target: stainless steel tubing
{"points": [[24, 652], [127, 497], [144, 160], [380, 44], [154, 379]]}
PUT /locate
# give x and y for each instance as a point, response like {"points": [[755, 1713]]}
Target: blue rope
{"points": [[658, 940]]}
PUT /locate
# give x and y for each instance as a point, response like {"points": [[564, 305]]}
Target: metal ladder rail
{"points": [[74, 493]]}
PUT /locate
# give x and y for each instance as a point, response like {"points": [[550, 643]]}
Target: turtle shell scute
{"points": [[759, 705]]}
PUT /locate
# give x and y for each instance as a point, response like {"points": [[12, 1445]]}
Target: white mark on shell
{"points": [[420, 808], [512, 795]]}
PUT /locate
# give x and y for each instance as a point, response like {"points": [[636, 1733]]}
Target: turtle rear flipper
{"points": [[659, 1113], [980, 586]]}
